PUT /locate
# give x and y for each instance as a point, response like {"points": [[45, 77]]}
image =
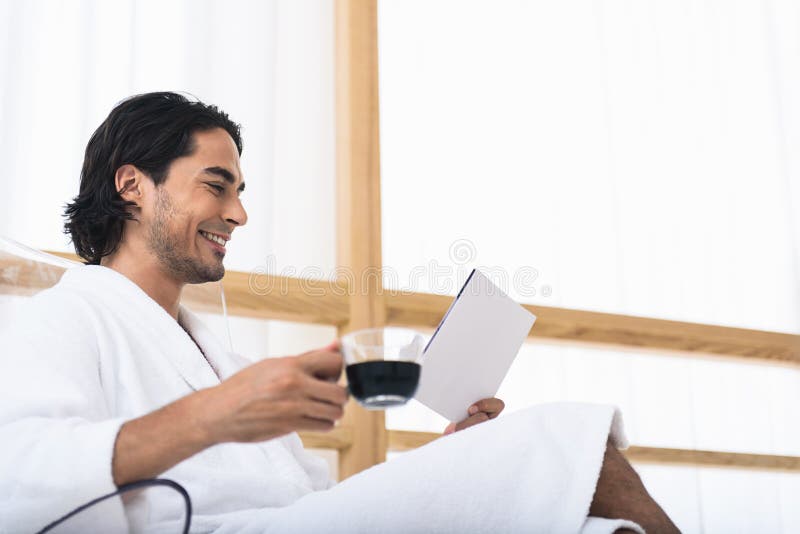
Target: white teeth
{"points": [[212, 237]]}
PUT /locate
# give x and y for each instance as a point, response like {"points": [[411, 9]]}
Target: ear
{"points": [[129, 183]]}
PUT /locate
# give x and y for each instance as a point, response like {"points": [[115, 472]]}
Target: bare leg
{"points": [[620, 494]]}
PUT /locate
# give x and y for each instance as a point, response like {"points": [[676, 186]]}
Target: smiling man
{"points": [[108, 379], [182, 231]]}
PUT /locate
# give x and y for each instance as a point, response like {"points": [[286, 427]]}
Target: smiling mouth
{"points": [[217, 241]]}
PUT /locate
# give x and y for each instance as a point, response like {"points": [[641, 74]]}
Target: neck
{"points": [[144, 271]]}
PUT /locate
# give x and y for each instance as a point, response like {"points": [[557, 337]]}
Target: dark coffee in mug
{"points": [[382, 384]]}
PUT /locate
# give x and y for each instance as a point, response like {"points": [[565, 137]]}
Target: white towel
{"points": [[531, 471]]}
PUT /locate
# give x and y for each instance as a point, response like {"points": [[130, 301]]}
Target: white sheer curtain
{"points": [[642, 158], [64, 65]]}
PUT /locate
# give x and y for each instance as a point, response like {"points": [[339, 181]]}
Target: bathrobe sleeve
{"points": [[56, 435]]}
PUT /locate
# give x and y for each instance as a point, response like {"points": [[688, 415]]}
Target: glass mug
{"points": [[382, 365]]}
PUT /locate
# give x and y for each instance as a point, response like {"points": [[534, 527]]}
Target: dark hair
{"points": [[148, 131]]}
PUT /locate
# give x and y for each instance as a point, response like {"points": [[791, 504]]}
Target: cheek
{"points": [[192, 231]]}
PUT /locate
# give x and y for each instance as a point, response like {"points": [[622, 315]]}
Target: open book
{"points": [[472, 349]]}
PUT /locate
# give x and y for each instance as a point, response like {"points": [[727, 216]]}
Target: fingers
{"points": [[326, 391], [479, 417], [324, 364], [491, 407], [483, 410], [322, 411]]}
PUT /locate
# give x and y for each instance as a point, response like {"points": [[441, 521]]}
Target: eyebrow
{"points": [[225, 174]]}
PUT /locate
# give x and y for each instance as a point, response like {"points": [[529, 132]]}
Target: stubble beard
{"points": [[171, 249]]}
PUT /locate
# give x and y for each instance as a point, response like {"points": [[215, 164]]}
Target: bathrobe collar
{"points": [[199, 369]]}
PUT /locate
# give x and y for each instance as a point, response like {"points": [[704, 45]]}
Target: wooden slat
{"points": [[321, 302], [619, 331], [24, 277], [338, 439], [403, 440], [406, 440], [359, 204], [274, 297], [738, 460]]}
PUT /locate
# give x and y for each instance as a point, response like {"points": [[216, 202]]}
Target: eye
{"points": [[215, 187]]}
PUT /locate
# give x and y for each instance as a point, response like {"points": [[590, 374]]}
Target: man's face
{"points": [[196, 208]]}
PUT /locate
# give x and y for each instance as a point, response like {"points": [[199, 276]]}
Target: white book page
{"points": [[473, 348]]}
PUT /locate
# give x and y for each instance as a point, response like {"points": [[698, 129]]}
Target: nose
{"points": [[236, 214]]}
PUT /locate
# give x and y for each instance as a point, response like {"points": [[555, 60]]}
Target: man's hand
{"points": [[276, 396], [481, 411], [266, 400]]}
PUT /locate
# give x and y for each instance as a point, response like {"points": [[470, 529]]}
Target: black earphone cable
{"points": [[130, 487]]}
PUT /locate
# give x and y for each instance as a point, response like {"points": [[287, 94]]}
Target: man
{"points": [[109, 380]]}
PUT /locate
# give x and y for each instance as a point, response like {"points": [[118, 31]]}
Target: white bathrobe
{"points": [[91, 353], [94, 351]]}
